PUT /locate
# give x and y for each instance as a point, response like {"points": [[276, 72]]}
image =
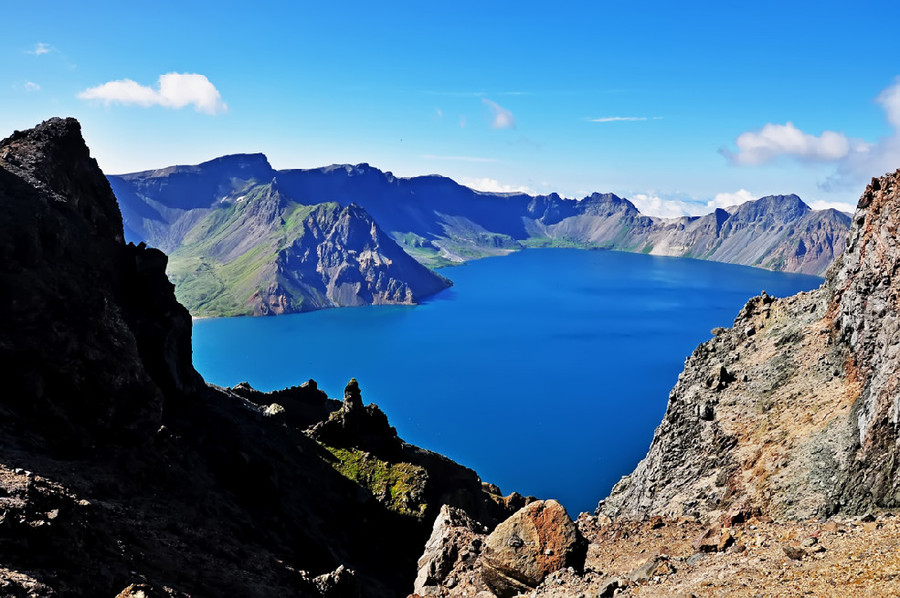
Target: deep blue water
{"points": [[546, 370]]}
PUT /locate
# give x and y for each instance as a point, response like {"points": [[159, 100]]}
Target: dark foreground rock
{"points": [[123, 473]]}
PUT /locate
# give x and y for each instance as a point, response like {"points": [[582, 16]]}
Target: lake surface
{"points": [[546, 370]]}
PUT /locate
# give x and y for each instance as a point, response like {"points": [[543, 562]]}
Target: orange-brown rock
{"points": [[537, 540]]}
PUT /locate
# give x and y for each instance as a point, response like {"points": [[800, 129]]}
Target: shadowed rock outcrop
{"points": [[88, 325], [123, 472]]}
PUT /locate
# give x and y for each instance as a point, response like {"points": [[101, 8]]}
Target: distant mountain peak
{"points": [[240, 161]]}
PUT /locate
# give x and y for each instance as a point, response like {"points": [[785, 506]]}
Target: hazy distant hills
{"points": [[246, 238]]}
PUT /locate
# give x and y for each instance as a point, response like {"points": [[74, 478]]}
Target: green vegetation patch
{"points": [[199, 288], [294, 218], [398, 486], [540, 242]]}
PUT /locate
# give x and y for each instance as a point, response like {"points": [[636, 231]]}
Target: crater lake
{"points": [[546, 371]]}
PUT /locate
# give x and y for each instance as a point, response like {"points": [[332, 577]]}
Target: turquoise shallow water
{"points": [[546, 370]]}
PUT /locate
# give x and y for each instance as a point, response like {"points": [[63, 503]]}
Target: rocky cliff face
{"points": [[258, 252], [345, 259], [63, 258], [794, 410], [120, 468], [776, 232]]}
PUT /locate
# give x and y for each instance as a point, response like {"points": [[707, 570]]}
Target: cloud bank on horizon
{"points": [[174, 90], [853, 158]]}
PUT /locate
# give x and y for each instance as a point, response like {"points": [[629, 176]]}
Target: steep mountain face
{"points": [[260, 253], [160, 206], [121, 468], [440, 222], [794, 411], [775, 232]]}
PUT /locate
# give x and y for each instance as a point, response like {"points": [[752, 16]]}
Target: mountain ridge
{"points": [[440, 222], [242, 247]]}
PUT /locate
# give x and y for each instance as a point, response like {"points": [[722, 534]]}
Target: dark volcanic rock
{"points": [[122, 469], [88, 324]]}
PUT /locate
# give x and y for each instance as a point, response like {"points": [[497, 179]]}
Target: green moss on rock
{"points": [[399, 486]]}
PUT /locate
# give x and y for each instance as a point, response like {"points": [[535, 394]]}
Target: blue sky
{"points": [[674, 105]]}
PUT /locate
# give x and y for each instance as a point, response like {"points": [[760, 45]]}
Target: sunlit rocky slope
{"points": [[774, 471], [794, 409]]}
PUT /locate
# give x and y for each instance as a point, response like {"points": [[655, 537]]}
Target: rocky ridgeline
{"points": [[793, 411], [223, 219], [123, 472], [240, 245]]}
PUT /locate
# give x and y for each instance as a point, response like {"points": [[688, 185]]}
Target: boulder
{"points": [[455, 539], [537, 540]]}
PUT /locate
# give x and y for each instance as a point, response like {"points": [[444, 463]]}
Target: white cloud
{"points": [[774, 141], [41, 48], [502, 118], [174, 90], [459, 158], [837, 205], [890, 101], [615, 119], [865, 159], [651, 204], [32, 86], [493, 186], [725, 200]]}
